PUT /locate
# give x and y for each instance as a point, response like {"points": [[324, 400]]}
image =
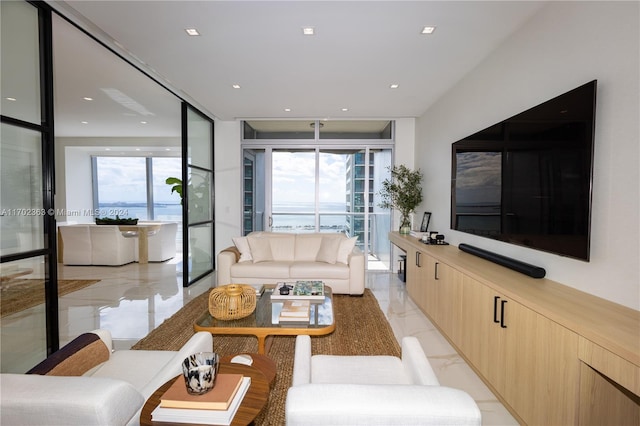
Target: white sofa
{"points": [[271, 257], [373, 390], [111, 392]]}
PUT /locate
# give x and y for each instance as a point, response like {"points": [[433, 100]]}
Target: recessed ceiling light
{"points": [[287, 109], [192, 31], [308, 31], [107, 149], [235, 86], [87, 98], [394, 86], [137, 149], [143, 122], [84, 122], [167, 149], [428, 30], [345, 109], [11, 99]]}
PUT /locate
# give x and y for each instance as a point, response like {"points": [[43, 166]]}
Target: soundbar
{"points": [[516, 265]]}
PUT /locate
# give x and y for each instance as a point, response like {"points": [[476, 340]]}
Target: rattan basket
{"points": [[232, 301]]}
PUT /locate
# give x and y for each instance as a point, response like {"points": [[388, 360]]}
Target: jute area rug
{"points": [[27, 293], [361, 329]]}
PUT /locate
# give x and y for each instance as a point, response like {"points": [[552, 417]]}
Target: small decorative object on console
{"points": [[232, 301], [434, 239]]}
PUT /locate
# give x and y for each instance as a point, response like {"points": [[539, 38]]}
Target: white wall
{"points": [[228, 183], [565, 45]]}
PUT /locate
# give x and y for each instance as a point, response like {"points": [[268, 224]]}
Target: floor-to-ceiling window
{"points": [[319, 177]]}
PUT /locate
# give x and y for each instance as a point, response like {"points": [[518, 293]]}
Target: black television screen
{"points": [[527, 180]]}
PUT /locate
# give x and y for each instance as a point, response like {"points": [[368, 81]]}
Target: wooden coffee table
{"points": [[251, 405], [263, 322]]}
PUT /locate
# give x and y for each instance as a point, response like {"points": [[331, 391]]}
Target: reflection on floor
{"points": [[132, 300]]}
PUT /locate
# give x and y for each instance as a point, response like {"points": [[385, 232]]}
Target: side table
{"points": [[262, 362], [251, 405]]}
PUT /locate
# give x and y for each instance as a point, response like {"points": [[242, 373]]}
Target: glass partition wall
{"points": [[296, 178], [27, 224], [198, 195]]}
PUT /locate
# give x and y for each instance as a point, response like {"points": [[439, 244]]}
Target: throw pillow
{"points": [[242, 244], [328, 252], [75, 358], [260, 249], [345, 249]]}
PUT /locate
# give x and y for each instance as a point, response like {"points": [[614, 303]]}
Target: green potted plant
{"points": [[402, 192], [199, 196]]}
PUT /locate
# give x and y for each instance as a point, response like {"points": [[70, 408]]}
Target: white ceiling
{"points": [[359, 50]]}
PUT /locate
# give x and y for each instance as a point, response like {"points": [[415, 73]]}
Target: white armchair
{"points": [[86, 383], [373, 390], [162, 244], [75, 244]]}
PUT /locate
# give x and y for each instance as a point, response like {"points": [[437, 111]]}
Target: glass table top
{"points": [[267, 313]]}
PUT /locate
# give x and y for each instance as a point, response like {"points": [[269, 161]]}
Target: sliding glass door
{"points": [[293, 191], [198, 236], [27, 221], [320, 190]]}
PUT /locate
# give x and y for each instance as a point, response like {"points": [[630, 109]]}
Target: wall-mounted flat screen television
{"points": [[527, 180]]}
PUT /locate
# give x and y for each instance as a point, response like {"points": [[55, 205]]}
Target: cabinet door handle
{"points": [[418, 259], [502, 303], [495, 309], [435, 273]]}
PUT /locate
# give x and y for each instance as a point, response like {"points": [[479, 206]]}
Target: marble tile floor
{"points": [[132, 300]]}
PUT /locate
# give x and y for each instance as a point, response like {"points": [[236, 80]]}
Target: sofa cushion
{"points": [[282, 246], [75, 358], [345, 249], [328, 252], [360, 370], [137, 367], [54, 400], [307, 246], [318, 271], [242, 244], [267, 270], [260, 248]]}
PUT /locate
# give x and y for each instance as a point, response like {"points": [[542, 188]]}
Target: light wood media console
{"points": [[552, 354]]}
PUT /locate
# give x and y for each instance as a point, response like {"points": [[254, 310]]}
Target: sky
{"points": [[294, 177], [122, 179]]}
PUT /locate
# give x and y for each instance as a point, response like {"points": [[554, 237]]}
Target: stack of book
{"points": [[295, 311], [216, 407]]}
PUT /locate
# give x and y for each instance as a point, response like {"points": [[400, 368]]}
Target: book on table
{"points": [[203, 416], [305, 290], [295, 311], [218, 398]]}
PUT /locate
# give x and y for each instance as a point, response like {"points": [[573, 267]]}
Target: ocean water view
{"points": [[299, 217], [162, 211]]}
